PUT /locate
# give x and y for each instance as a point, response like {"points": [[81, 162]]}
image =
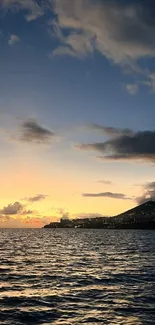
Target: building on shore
{"points": [[140, 217]]}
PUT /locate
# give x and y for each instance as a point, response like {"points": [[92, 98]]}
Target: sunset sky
{"points": [[77, 108]]}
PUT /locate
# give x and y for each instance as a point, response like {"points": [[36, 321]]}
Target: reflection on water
{"points": [[67, 276]]}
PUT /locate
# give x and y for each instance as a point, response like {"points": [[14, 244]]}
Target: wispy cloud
{"points": [[13, 39], [132, 89], [62, 50], [111, 195], [109, 131], [105, 182], [137, 146], [32, 131], [150, 81], [34, 10], [37, 198]]}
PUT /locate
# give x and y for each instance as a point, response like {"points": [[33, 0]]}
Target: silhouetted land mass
{"points": [[140, 217]]}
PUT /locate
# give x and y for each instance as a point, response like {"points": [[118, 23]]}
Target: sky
{"points": [[77, 96]]}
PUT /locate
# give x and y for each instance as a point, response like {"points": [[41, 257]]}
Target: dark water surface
{"points": [[77, 277]]}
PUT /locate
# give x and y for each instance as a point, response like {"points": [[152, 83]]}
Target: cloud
{"points": [[132, 89], [27, 212], [62, 50], [150, 81], [32, 131], [150, 186], [111, 195], [37, 198], [18, 215], [121, 31], [22, 222], [105, 182], [109, 131], [34, 9], [13, 39], [124, 32], [149, 193], [12, 209], [137, 146]]}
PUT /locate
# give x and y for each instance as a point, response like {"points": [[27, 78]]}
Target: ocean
{"points": [[77, 276]]}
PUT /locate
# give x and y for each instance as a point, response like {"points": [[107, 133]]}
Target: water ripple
{"points": [[63, 277]]}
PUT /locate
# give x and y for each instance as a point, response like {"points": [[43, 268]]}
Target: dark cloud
{"points": [[149, 193], [37, 198], [31, 131], [111, 195], [144, 198], [137, 146], [12, 209], [150, 186]]}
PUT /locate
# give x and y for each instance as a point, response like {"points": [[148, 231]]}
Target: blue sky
{"points": [[70, 70]]}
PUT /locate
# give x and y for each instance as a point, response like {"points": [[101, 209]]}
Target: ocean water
{"points": [[77, 276]]}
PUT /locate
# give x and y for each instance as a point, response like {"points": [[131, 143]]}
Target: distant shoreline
{"points": [[141, 217]]}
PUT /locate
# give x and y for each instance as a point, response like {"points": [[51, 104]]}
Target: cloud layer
{"points": [[122, 31], [118, 30]]}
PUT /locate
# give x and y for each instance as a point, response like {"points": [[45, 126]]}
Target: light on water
{"points": [[69, 276]]}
